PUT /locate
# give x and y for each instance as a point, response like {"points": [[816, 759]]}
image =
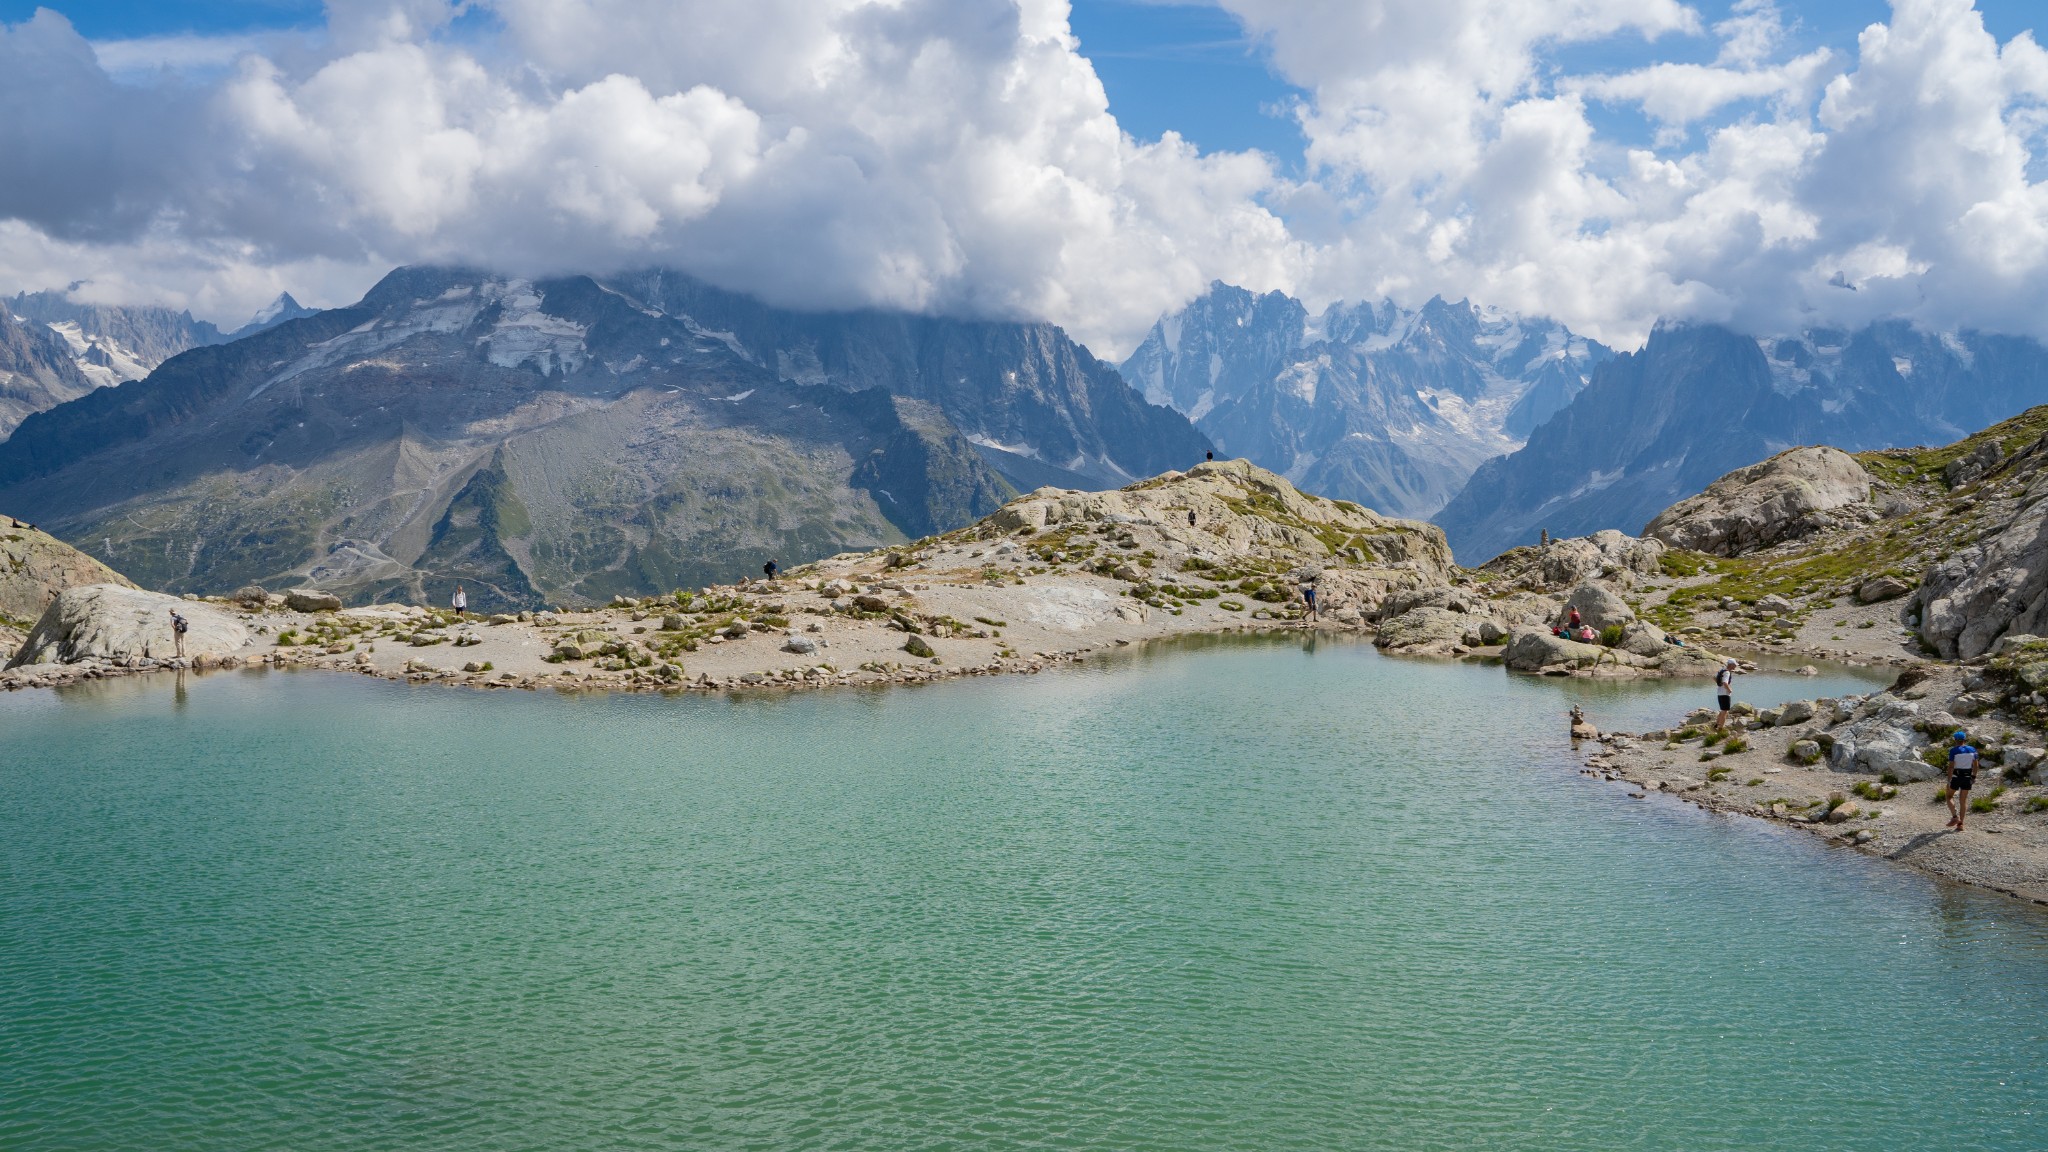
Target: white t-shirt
{"points": [[1724, 682]]}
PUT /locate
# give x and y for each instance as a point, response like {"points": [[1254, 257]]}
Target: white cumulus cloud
{"points": [[960, 156]]}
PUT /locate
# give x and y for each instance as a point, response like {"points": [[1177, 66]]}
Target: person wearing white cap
{"points": [[1724, 690]]}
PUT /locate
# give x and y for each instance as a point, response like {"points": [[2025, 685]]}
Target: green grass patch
{"points": [[1683, 564], [1924, 465]]}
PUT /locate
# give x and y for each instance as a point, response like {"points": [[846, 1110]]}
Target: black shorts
{"points": [[1961, 781], [1727, 702]]}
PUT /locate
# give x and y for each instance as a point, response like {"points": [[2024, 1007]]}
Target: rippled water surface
{"points": [[1257, 896]]}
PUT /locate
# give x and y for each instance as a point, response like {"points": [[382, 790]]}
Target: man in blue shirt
{"points": [[1962, 773]]}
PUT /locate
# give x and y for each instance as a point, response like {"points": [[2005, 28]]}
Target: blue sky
{"points": [[1185, 67], [781, 147]]}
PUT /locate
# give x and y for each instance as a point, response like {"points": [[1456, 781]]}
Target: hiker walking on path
{"points": [[770, 569], [1962, 773], [461, 602], [1308, 597], [1724, 689], [178, 630], [1191, 517]]}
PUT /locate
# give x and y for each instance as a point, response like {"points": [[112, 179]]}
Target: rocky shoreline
{"points": [[1057, 576], [1861, 772]]}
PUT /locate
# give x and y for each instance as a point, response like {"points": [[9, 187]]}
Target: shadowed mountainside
{"points": [[538, 442]]}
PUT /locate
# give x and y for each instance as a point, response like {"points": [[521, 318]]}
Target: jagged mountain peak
{"points": [[283, 308], [1369, 401], [563, 440], [1700, 400]]}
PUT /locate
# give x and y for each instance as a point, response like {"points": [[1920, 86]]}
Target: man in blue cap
{"points": [[1962, 773]]}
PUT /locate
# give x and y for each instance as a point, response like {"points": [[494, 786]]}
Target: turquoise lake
{"points": [[1253, 895]]}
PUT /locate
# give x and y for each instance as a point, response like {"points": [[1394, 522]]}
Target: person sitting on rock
{"points": [[1962, 773], [1724, 693], [1573, 621], [1586, 635]]}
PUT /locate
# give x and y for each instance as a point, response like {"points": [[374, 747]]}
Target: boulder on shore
{"points": [[110, 622], [1426, 631], [1888, 740], [311, 600], [1599, 606], [35, 566], [1791, 495], [1606, 555], [1644, 639], [1531, 650]]}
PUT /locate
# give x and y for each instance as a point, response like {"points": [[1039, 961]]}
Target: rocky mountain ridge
{"points": [[1697, 401], [564, 441], [104, 344], [1391, 407], [1037, 406]]}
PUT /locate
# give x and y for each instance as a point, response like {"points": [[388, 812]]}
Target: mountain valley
{"points": [[565, 441]]}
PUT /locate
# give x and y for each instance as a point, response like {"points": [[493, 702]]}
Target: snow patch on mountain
{"points": [[1389, 406]]}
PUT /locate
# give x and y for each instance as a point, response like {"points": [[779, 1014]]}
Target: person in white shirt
{"points": [[1724, 691], [461, 602]]}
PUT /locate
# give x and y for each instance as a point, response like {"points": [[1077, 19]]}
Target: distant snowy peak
{"points": [[1368, 401], [272, 314], [103, 360], [111, 343]]}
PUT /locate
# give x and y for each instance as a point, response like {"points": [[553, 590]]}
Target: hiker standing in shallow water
{"points": [[1962, 774]]}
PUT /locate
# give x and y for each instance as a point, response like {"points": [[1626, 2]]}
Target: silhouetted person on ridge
{"points": [[770, 569]]}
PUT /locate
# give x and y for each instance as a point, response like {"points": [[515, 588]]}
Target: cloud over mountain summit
{"points": [[960, 156]]}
